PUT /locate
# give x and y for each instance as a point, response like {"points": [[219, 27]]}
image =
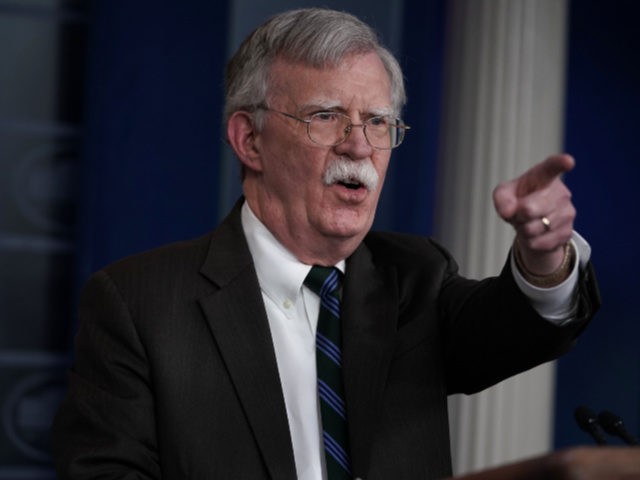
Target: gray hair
{"points": [[315, 37]]}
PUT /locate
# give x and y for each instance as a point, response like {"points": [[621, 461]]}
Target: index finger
{"points": [[541, 175]]}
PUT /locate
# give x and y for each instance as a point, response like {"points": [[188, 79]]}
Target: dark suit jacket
{"points": [[175, 375]]}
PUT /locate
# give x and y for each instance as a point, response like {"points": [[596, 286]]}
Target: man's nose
{"points": [[355, 146]]}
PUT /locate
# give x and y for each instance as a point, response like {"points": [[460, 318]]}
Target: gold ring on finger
{"points": [[546, 223]]}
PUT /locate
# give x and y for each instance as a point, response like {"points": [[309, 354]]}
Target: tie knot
{"points": [[323, 280]]}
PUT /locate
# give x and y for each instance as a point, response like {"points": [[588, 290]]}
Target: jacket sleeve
{"points": [[105, 426], [492, 332]]}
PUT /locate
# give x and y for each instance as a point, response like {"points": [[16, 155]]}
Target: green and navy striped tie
{"points": [[325, 282]]}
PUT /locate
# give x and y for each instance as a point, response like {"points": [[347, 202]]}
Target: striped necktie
{"points": [[325, 282]]}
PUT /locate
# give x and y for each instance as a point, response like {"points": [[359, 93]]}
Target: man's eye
{"points": [[378, 121], [325, 117]]}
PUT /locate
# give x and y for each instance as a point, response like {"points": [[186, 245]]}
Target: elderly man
{"points": [[291, 342]]}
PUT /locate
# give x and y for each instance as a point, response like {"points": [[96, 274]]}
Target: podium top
{"points": [[580, 463]]}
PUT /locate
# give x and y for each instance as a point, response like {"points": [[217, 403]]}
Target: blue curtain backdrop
{"points": [[602, 132], [408, 197], [154, 96]]}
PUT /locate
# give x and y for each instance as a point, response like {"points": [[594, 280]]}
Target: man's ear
{"points": [[241, 134]]}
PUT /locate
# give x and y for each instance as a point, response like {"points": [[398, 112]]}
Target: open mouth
{"points": [[351, 184]]}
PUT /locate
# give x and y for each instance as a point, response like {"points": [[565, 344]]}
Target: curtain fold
{"points": [[152, 126]]}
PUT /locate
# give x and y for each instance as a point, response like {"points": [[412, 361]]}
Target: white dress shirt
{"points": [[292, 311]]}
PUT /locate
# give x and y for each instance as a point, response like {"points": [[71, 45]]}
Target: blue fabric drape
{"points": [[153, 103], [408, 198]]}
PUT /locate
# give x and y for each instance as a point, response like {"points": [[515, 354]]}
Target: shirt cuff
{"points": [[556, 304]]}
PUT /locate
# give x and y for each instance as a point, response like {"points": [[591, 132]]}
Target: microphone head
{"points": [[610, 422], [613, 425], [585, 418], [588, 421]]}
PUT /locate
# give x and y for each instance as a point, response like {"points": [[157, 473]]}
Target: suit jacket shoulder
{"points": [[174, 359]]}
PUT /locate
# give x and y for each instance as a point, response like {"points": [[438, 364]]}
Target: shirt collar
{"points": [[280, 273]]}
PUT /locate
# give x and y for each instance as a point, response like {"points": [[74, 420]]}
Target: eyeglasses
{"points": [[329, 129]]}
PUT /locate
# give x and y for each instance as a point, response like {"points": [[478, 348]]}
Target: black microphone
{"points": [[613, 425], [587, 421]]}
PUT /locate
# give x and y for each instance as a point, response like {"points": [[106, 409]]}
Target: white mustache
{"points": [[344, 170]]}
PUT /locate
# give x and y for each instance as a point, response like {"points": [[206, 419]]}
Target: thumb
{"points": [[542, 174]]}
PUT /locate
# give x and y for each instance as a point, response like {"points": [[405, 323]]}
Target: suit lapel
{"points": [[238, 321], [368, 313]]}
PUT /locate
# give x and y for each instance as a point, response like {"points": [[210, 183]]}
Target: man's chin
{"points": [[349, 226]]}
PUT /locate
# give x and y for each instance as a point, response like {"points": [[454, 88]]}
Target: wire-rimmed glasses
{"points": [[329, 128]]}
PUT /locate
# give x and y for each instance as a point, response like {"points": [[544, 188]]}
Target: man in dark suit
{"points": [[198, 360]]}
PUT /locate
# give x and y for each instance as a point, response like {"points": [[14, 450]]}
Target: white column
{"points": [[503, 112]]}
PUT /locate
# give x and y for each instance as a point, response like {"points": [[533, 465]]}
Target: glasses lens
{"points": [[379, 132], [385, 132], [328, 128]]}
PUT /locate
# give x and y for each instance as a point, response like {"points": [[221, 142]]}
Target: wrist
{"points": [[549, 280]]}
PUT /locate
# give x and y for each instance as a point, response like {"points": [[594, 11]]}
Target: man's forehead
{"points": [[340, 105], [332, 87], [282, 69]]}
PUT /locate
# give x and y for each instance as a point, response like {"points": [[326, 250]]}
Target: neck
{"points": [[308, 247]]}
